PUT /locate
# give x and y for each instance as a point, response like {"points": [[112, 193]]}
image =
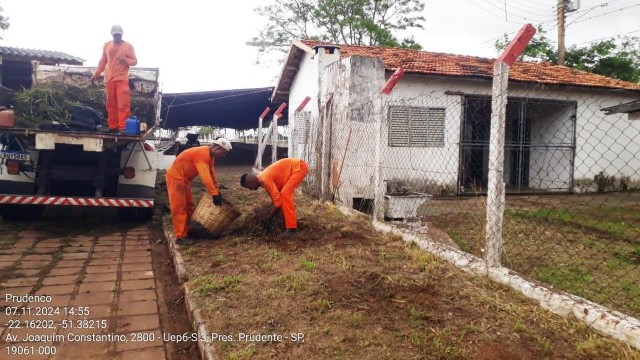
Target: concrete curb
{"points": [[195, 316], [600, 318]]}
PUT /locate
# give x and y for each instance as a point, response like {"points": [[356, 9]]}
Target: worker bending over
{"points": [[189, 164], [280, 180]]}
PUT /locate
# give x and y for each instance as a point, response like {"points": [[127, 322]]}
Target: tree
{"points": [[354, 22], [4, 21], [206, 130], [618, 58]]}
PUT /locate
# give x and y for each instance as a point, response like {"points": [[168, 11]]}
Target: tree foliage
{"points": [[354, 22], [618, 58], [4, 21]]}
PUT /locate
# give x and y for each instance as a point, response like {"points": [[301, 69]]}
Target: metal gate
{"points": [[539, 145]]}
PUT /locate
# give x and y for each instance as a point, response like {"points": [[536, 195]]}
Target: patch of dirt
{"points": [[500, 351], [354, 293]]}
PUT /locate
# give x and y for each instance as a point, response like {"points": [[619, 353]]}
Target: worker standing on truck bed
{"points": [[280, 180], [189, 164], [117, 56]]}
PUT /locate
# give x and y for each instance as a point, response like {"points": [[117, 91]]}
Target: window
{"points": [[416, 126]]}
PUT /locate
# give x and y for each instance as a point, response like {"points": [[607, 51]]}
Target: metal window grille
{"points": [[416, 126]]}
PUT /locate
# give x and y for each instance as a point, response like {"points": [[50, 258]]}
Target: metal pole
{"points": [[259, 159]]}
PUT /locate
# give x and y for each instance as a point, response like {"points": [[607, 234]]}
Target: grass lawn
{"points": [[588, 245]]}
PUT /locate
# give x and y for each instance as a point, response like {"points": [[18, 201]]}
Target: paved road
{"points": [[97, 289]]}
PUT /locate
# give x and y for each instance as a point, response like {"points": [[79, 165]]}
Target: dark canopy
{"points": [[236, 109]]}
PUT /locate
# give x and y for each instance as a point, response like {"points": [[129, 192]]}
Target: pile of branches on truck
{"points": [[44, 103], [58, 90]]}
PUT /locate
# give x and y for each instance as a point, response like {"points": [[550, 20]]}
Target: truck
{"points": [[42, 167]]}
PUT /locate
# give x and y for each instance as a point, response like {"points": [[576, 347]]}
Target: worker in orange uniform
{"points": [[117, 56], [189, 164], [280, 180]]}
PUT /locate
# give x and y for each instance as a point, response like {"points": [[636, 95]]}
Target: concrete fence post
{"points": [[496, 187]]}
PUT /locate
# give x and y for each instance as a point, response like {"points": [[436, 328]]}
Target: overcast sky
{"points": [[200, 45]]}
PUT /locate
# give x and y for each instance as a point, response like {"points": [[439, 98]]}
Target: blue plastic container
{"points": [[132, 126]]}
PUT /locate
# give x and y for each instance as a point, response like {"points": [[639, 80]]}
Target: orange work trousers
{"points": [[181, 205], [118, 104], [287, 195]]}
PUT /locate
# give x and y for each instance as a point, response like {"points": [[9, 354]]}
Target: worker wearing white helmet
{"points": [[196, 161], [117, 56]]}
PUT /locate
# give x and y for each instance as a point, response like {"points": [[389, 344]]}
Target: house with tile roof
{"points": [[16, 64], [432, 130]]}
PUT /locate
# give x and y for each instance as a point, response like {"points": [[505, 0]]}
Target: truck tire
{"points": [[135, 214], [21, 212]]}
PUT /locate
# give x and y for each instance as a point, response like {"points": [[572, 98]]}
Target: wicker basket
{"points": [[214, 218]]}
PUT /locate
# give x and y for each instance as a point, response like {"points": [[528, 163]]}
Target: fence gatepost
{"points": [[258, 163], [274, 148], [380, 189], [496, 186]]}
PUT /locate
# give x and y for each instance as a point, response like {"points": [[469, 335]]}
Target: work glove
{"points": [[274, 210], [217, 200]]}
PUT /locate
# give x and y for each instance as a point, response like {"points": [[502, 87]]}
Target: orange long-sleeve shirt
{"points": [[276, 175], [193, 162], [113, 69]]}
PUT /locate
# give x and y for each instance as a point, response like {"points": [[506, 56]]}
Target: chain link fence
{"points": [[421, 157]]}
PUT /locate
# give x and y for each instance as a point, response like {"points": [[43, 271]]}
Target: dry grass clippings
{"points": [[354, 293]]}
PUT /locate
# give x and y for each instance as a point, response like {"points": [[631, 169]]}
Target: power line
{"points": [[585, 13], [526, 4], [607, 13], [508, 13], [481, 7], [605, 4], [538, 12], [608, 37], [574, 21], [516, 31]]}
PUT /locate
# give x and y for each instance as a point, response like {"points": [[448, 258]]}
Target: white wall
{"points": [[354, 84], [603, 143], [427, 164], [550, 166], [304, 84]]}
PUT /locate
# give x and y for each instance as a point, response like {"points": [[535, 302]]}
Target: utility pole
{"points": [[561, 17]]}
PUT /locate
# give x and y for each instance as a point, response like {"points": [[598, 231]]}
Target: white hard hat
{"points": [[116, 29], [224, 143]]}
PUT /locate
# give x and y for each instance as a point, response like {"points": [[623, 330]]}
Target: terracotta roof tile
{"points": [[422, 62], [36, 54]]}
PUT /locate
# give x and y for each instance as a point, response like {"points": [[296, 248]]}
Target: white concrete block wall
{"points": [[603, 142], [436, 164], [354, 84]]}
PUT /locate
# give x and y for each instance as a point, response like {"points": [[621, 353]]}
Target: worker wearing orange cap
{"points": [[117, 56], [280, 180], [189, 164]]}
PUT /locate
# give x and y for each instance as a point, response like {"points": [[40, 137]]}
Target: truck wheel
{"points": [[135, 214], [21, 212]]}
